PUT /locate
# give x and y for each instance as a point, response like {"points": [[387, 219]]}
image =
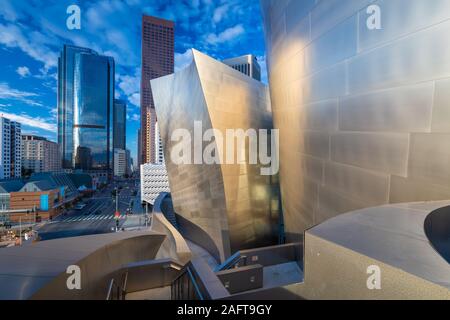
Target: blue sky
{"points": [[32, 33]]}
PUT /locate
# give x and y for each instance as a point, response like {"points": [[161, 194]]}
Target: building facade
{"points": [[154, 180], [40, 155], [37, 200], [120, 125], [120, 162], [233, 203], [10, 149], [159, 150], [247, 64], [362, 111], [157, 61], [85, 109], [129, 163]]}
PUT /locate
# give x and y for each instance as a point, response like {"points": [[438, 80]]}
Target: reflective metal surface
{"points": [[364, 115], [397, 238], [233, 203], [39, 271]]}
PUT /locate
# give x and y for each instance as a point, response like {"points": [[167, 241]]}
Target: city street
{"points": [[96, 217]]}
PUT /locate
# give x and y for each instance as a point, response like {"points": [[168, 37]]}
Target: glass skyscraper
{"points": [[120, 124], [85, 104]]}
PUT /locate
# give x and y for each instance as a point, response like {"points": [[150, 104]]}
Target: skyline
{"points": [[31, 44]]}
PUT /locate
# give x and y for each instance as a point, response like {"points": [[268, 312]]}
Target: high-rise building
{"points": [[40, 155], [157, 61], [120, 162], [247, 64], [129, 163], [10, 149], [159, 151], [120, 124], [85, 109]]}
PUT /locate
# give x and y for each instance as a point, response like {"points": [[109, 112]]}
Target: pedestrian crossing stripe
{"points": [[92, 218]]}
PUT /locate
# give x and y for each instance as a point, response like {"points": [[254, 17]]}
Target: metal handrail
{"points": [[194, 282], [111, 285], [121, 290], [232, 262], [177, 287]]}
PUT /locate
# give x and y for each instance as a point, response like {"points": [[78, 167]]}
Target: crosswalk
{"points": [[91, 217]]}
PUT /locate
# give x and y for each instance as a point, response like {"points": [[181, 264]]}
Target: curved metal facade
{"points": [[363, 113], [235, 205]]}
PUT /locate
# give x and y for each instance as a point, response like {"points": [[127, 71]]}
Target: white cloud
{"points": [[10, 93], [220, 13], [35, 122], [227, 35], [134, 117], [23, 72], [182, 60], [32, 44], [135, 99], [129, 84]]}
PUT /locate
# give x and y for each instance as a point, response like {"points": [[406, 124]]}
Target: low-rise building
{"points": [[36, 200], [42, 196]]}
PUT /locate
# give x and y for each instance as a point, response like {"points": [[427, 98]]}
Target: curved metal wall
{"points": [[363, 113], [232, 203]]}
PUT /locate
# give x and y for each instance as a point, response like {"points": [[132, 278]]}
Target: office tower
{"points": [[120, 162], [234, 204], [157, 61], [247, 64], [85, 109], [159, 151], [10, 149], [120, 124], [129, 163], [40, 155]]}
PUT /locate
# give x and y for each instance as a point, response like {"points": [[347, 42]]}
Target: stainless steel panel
{"points": [[384, 91], [384, 152], [430, 158], [419, 57], [333, 202], [400, 18], [404, 109], [321, 116], [231, 203], [370, 187], [327, 84], [441, 107], [328, 13], [315, 143], [333, 47], [409, 190]]}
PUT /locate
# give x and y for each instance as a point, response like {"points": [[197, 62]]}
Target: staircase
{"points": [[169, 213]]}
